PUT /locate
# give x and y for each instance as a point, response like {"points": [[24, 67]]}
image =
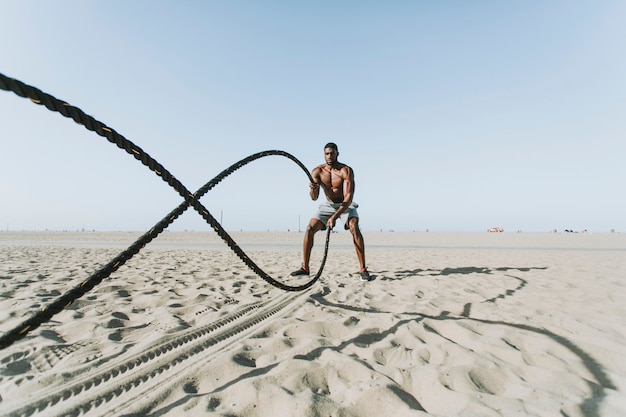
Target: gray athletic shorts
{"points": [[327, 209]]}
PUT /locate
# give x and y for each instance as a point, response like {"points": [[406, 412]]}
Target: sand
{"points": [[455, 324]]}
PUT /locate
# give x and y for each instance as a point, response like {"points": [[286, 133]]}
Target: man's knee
{"points": [[353, 225], [314, 226]]}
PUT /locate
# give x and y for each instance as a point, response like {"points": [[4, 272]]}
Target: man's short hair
{"points": [[331, 145]]}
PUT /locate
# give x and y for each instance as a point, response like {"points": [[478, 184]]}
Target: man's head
{"points": [[331, 145], [331, 153]]}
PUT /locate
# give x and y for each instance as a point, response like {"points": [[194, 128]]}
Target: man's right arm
{"points": [[314, 191]]}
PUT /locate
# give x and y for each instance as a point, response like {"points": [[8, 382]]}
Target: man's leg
{"points": [[309, 236], [359, 243], [307, 246]]}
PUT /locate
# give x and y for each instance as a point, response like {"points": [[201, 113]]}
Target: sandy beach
{"points": [[455, 324]]}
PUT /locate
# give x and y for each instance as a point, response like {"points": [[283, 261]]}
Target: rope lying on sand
{"points": [[191, 200]]}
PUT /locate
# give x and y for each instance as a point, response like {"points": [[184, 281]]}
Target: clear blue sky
{"points": [[455, 116]]}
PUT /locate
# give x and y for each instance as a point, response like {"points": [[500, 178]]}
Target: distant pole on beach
{"points": [[299, 223]]}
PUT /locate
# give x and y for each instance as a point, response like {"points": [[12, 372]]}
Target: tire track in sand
{"points": [[131, 385]]}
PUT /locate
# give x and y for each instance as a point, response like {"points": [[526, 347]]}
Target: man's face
{"points": [[330, 155]]}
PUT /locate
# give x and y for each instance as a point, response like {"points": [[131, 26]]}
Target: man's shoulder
{"points": [[345, 168], [319, 168]]}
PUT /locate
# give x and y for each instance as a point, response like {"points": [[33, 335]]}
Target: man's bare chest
{"points": [[332, 178]]}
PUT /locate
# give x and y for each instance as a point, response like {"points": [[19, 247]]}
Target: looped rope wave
{"points": [[191, 200]]}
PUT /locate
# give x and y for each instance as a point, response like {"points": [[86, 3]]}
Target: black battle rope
{"points": [[53, 104]]}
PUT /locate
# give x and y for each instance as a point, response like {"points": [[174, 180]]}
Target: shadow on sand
{"points": [[589, 407]]}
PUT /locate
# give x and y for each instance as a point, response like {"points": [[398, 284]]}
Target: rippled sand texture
{"points": [[453, 325]]}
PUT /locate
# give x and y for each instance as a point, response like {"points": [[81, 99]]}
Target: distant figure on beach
{"points": [[337, 181]]}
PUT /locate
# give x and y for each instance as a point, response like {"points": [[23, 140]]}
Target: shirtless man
{"points": [[337, 181]]}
